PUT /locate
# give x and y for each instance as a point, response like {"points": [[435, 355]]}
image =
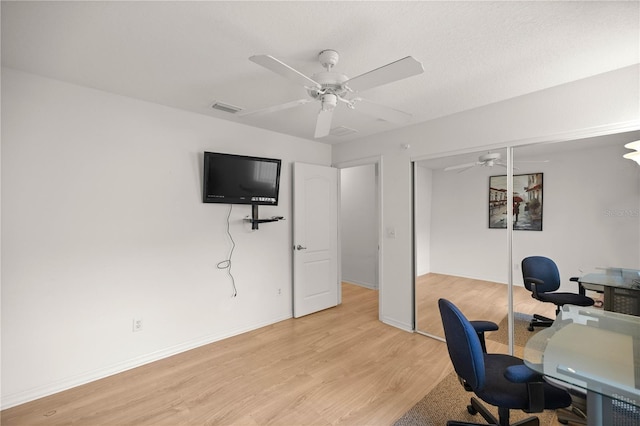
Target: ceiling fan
{"points": [[329, 88], [489, 159]]}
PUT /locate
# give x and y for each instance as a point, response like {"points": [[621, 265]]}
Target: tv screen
{"points": [[239, 179]]}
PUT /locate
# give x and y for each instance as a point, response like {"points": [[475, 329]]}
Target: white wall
{"points": [[591, 213], [582, 190], [102, 222], [461, 243], [583, 105], [359, 225]]}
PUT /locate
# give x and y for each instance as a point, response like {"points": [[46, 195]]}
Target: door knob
{"points": [[299, 247]]}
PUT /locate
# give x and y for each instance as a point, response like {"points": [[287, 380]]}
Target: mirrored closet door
{"points": [[576, 202], [590, 203], [460, 238]]}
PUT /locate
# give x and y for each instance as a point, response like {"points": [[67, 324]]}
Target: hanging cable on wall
{"points": [[226, 264]]}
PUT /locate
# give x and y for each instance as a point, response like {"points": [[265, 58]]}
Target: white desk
{"points": [[597, 352]]}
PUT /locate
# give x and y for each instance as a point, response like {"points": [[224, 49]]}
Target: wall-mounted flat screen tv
{"points": [[239, 179]]}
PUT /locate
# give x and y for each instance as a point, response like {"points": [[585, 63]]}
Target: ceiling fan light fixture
{"points": [[329, 102], [635, 155]]}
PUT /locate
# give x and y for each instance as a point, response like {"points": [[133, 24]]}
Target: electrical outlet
{"points": [[279, 292], [137, 324]]}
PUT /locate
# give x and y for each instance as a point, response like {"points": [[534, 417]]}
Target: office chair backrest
{"points": [[463, 345], [542, 268]]}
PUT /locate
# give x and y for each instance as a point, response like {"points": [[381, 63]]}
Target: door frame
{"points": [[377, 161]]}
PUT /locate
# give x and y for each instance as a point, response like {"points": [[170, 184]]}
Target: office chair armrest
{"points": [[522, 374], [536, 397], [481, 327], [534, 282], [581, 289], [535, 385]]}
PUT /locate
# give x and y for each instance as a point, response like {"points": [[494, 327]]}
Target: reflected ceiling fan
{"points": [[489, 159], [329, 88]]}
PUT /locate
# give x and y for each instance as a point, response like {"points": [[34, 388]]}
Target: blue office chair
{"points": [[542, 279], [497, 379]]}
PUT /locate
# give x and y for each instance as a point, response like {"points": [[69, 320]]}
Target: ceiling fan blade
{"points": [[461, 166], [279, 67], [380, 111], [323, 124], [501, 164], [389, 73], [465, 169], [273, 108]]}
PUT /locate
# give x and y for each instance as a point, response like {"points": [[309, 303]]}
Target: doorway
{"points": [[360, 219]]}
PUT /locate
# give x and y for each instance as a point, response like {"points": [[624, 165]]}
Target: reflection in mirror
{"points": [[591, 216], [588, 208], [458, 256]]}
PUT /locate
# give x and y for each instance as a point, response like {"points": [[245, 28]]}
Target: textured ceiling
{"points": [[189, 55]]}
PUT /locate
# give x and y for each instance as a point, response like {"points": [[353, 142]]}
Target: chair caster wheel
{"points": [[472, 410], [530, 328], [564, 422]]}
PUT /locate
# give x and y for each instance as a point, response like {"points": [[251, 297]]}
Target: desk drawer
{"points": [[622, 300]]}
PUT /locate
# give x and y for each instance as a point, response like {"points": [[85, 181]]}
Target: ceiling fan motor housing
{"points": [[490, 157], [330, 82]]}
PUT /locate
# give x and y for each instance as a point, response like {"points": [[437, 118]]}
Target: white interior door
{"points": [[315, 238]]}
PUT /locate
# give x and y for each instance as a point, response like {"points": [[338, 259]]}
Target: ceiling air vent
{"points": [[342, 131], [232, 109]]}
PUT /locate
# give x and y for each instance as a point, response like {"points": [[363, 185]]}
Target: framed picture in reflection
{"points": [[527, 202]]}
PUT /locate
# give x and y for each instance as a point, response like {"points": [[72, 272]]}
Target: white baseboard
{"points": [[398, 324], [370, 286], [22, 397]]}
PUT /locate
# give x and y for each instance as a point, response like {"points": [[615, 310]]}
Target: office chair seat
{"points": [[560, 299], [501, 392]]}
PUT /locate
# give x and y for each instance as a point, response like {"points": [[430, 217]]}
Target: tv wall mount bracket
{"points": [[255, 220]]}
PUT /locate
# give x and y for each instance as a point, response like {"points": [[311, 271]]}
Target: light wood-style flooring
{"points": [[338, 366], [478, 299]]}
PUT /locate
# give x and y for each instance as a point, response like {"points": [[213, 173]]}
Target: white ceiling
{"points": [[189, 55]]}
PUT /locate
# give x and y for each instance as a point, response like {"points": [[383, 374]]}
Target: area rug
{"points": [[448, 401], [520, 330]]}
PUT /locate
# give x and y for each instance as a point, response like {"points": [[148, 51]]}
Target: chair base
{"points": [[576, 413], [539, 321], [565, 416], [476, 407]]}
